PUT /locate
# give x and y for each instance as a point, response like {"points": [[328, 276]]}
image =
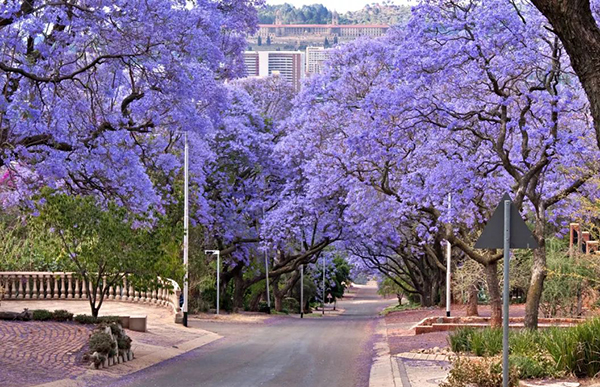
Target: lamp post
{"points": [[186, 221], [323, 299], [267, 270], [301, 291], [448, 267], [218, 254]]}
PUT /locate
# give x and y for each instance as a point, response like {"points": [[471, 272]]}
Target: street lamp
{"points": [[323, 299], [448, 267], [218, 253], [186, 220], [302, 291]]}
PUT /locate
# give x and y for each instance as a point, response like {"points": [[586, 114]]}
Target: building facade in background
{"points": [[290, 65], [315, 59], [350, 31]]}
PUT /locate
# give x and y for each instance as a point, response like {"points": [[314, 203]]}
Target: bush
{"points": [[533, 366], [460, 340], [124, 343], [487, 342], [109, 319], [102, 343], [486, 372], [41, 315], [291, 304], [85, 319], [263, 307], [62, 315], [572, 350]]}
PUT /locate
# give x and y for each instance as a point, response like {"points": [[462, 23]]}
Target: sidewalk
{"points": [[48, 353]]}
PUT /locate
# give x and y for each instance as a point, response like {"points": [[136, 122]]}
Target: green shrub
{"points": [[85, 319], [263, 307], [533, 366], [525, 341], [460, 340], [486, 372], [291, 304], [124, 343], [102, 343], [41, 315], [109, 319], [62, 315], [492, 341]]}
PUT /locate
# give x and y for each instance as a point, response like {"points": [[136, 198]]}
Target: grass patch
{"points": [[399, 308]]}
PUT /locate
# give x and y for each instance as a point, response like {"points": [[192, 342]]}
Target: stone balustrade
{"points": [[68, 286]]}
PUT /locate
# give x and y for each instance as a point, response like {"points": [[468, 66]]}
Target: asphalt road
{"points": [[285, 351]]}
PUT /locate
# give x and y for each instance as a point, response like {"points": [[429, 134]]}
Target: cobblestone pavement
{"points": [[34, 352]]}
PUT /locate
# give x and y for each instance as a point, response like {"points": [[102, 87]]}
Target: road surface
{"points": [[285, 351]]}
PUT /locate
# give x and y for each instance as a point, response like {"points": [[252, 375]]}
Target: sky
{"points": [[338, 5]]}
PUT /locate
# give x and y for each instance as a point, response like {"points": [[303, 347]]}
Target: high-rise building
{"points": [[287, 64], [315, 59], [251, 64]]}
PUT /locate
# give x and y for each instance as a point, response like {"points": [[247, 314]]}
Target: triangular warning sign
{"points": [[492, 236]]}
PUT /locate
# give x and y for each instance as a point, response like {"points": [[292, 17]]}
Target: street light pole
{"points": [[186, 221], [323, 300], [267, 271], [448, 267], [218, 254], [301, 291]]}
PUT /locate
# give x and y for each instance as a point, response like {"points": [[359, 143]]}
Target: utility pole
{"points": [[267, 270], [186, 221], [323, 300], [301, 291], [448, 266], [218, 254]]}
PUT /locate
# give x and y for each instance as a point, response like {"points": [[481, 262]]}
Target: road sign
{"points": [[329, 297], [504, 230], [492, 235]]}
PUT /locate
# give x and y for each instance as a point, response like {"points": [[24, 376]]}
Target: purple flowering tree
{"points": [[95, 93], [472, 101]]}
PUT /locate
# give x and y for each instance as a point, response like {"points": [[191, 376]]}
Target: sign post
{"points": [[506, 293], [506, 229]]}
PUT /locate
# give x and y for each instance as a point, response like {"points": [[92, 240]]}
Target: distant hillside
{"points": [[384, 13]]}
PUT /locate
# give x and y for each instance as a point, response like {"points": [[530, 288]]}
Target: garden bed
{"points": [[443, 324]]}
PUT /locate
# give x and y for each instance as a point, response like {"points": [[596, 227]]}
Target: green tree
{"points": [[259, 41], [326, 43], [335, 40], [105, 244], [268, 40]]}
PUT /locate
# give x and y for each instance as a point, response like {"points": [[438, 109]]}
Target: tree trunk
{"points": [[491, 276], [426, 297], [472, 303], [536, 286], [238, 293], [255, 300], [278, 298], [400, 296]]}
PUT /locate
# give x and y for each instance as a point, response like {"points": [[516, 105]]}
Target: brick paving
{"points": [[33, 352]]}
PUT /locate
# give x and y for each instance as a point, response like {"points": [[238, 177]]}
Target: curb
{"points": [[421, 356], [385, 371]]}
